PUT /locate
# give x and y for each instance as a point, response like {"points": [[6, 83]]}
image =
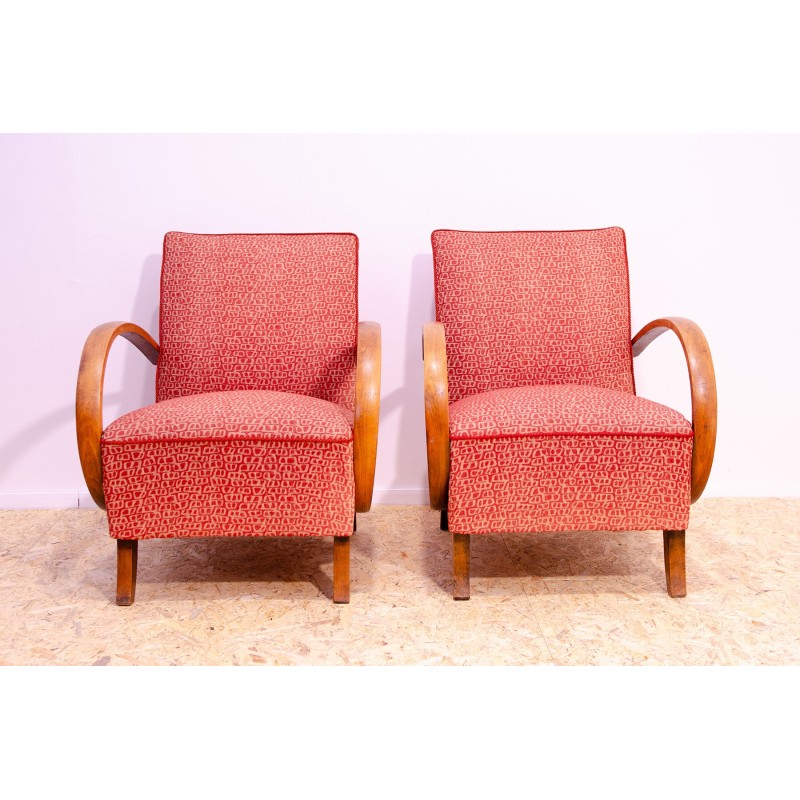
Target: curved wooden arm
{"points": [[367, 411], [704, 390], [437, 413], [89, 395]]}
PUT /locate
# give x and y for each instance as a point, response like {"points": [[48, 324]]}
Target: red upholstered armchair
{"points": [[532, 419], [267, 395]]}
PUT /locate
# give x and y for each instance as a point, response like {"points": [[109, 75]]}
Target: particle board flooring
{"points": [[537, 599]]}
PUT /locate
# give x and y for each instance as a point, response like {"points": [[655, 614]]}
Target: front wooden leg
{"points": [[675, 562], [461, 566], [341, 569], [127, 557]]}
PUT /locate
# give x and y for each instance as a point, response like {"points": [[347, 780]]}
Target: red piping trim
{"points": [[630, 329], [271, 233], [305, 440], [613, 527], [465, 437], [570, 230], [161, 315]]}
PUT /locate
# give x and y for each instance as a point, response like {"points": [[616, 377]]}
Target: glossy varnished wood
{"points": [[127, 560], [367, 411], [703, 386], [675, 562], [89, 395], [460, 566], [437, 415], [341, 569]]}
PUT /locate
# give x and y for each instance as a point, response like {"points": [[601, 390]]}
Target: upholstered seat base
{"points": [[567, 458], [243, 463]]}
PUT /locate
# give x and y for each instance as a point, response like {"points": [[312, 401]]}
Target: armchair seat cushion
{"points": [[238, 463], [567, 457]]}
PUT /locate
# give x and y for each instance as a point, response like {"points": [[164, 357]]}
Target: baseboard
{"points": [[22, 500], [39, 500], [400, 497], [772, 491], [85, 501], [11, 501], [381, 497]]}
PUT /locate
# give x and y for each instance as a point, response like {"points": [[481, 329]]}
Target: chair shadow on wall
{"points": [[137, 380], [410, 463], [138, 374], [38, 431], [410, 466]]}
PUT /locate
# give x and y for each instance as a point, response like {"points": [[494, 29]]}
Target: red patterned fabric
{"points": [[239, 463], [259, 311], [567, 458], [533, 307], [252, 434], [235, 415], [558, 410], [569, 483], [546, 431]]}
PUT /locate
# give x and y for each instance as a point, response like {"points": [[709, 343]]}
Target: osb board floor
{"points": [[577, 598]]}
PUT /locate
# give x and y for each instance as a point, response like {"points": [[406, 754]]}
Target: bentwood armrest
{"points": [[703, 385], [437, 414], [368, 405], [89, 395]]}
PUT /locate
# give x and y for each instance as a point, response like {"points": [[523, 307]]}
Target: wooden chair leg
{"points": [[355, 526], [341, 569], [127, 558], [443, 523], [675, 562], [461, 566]]}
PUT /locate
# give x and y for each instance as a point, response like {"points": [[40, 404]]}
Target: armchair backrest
{"points": [[259, 311], [523, 308]]}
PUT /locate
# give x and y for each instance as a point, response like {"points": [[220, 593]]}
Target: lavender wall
{"points": [[711, 220]]}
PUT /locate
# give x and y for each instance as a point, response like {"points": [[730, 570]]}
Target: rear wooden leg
{"points": [[461, 566], [675, 562], [341, 569], [127, 557], [443, 523]]}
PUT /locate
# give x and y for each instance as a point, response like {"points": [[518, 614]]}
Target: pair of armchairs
{"points": [[268, 392]]}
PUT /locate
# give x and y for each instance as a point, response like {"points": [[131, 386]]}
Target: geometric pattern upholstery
{"points": [[533, 307], [274, 312], [235, 415], [239, 463], [560, 410], [546, 431], [252, 430], [567, 458]]}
